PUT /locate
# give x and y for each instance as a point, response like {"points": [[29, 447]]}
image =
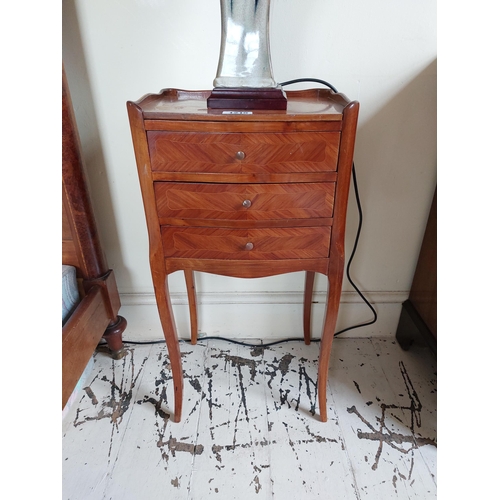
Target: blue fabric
{"points": [[70, 296]]}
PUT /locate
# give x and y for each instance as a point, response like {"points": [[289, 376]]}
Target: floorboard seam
{"points": [[341, 432], [191, 475], [125, 424]]}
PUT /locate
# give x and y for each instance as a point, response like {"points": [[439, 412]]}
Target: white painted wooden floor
{"points": [[250, 426]]}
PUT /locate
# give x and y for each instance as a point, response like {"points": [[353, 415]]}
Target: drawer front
{"points": [[246, 244], [244, 201], [243, 153]]}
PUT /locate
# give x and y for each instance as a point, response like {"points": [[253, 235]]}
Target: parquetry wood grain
{"points": [[244, 201], [207, 152]]}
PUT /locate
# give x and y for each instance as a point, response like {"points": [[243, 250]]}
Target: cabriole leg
{"points": [[160, 282], [193, 314], [308, 305], [332, 309]]}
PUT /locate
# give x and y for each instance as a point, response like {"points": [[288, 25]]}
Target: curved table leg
{"points": [[193, 315], [332, 309], [160, 282], [307, 305]]}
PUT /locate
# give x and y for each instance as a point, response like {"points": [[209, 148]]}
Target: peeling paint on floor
{"points": [[115, 402], [250, 427]]}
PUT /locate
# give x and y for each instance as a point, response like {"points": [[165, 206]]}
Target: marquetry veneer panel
{"points": [[244, 201], [246, 244], [244, 152]]}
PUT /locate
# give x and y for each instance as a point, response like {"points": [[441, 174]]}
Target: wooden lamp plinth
{"points": [[247, 98]]}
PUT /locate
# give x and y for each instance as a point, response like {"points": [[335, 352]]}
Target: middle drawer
{"points": [[244, 201]]}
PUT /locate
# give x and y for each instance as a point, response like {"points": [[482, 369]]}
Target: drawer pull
{"points": [[247, 203], [240, 155], [249, 246]]}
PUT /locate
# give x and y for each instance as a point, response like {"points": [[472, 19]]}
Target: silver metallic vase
{"points": [[245, 59]]}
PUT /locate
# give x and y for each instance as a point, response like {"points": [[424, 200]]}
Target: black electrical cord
{"points": [[360, 213], [201, 339], [348, 268], [315, 80]]}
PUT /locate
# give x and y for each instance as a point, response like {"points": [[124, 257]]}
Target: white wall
{"points": [[382, 53]]}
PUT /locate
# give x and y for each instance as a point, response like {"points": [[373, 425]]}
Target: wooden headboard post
{"points": [[81, 245]]}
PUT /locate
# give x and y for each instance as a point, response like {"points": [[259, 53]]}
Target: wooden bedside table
{"points": [[245, 194]]}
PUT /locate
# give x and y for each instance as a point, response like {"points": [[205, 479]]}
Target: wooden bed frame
{"points": [[96, 316]]}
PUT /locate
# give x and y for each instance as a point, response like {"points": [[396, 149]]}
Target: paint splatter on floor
{"points": [[117, 390], [250, 424], [381, 433]]}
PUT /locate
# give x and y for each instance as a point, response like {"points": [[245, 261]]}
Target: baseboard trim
{"points": [[218, 298], [257, 315]]}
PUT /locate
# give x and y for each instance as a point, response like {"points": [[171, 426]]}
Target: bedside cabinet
{"points": [[245, 194], [418, 319]]}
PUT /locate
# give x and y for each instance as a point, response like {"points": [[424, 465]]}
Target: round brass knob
{"points": [[249, 246], [240, 155], [247, 203]]}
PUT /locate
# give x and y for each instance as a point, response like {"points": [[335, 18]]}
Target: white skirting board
{"points": [[256, 315]]}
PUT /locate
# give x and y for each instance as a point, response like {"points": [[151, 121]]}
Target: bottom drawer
{"points": [[246, 244]]}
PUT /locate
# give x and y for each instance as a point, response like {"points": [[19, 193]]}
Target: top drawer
{"points": [[243, 153]]}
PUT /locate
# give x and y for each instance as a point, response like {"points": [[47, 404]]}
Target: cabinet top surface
{"points": [[307, 105]]}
